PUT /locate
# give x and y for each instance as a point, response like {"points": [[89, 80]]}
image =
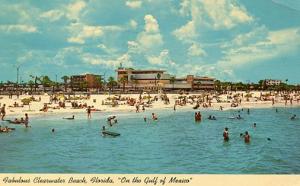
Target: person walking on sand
{"points": [[89, 115], [3, 112]]}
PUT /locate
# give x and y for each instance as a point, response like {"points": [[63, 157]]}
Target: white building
{"points": [[272, 82]]}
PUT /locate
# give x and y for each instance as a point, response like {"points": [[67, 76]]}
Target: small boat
{"points": [[110, 133]]}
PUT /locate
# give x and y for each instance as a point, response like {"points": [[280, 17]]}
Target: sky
{"points": [[231, 40]]}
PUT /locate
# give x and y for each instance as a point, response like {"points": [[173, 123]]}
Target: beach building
{"points": [[272, 82], [142, 79], [191, 82], [85, 81]]}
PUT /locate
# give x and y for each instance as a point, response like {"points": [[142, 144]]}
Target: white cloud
{"points": [[163, 59], [26, 57], [187, 32], [252, 48], [134, 4], [133, 24], [196, 50], [73, 10], [94, 59], [149, 41], [18, 28], [133, 47], [52, 15], [213, 14], [150, 38], [225, 13], [151, 25], [83, 32], [185, 6], [106, 49]]}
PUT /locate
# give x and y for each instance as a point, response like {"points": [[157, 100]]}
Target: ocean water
{"points": [[173, 144]]}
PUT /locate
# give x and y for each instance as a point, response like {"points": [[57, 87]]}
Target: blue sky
{"points": [[236, 40]]}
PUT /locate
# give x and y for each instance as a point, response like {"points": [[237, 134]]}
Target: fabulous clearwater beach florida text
{"points": [[147, 180]]}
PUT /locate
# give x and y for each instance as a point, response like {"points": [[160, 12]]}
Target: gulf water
{"points": [[173, 144]]}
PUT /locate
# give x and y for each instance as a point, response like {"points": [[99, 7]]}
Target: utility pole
{"points": [[56, 82], [18, 68]]}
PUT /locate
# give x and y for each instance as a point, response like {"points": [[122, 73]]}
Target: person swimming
{"points": [[241, 135], [154, 117], [254, 125], [145, 119], [247, 137], [73, 117], [210, 117], [112, 118], [293, 117], [226, 134], [269, 139], [239, 117], [53, 130]]}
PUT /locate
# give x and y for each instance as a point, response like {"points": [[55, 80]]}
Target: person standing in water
{"points": [[26, 121], [247, 137], [226, 134], [3, 112], [89, 115]]}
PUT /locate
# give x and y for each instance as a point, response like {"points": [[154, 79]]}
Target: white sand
{"points": [[36, 106]]}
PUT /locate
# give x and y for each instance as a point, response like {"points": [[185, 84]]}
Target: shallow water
{"points": [[174, 144]]}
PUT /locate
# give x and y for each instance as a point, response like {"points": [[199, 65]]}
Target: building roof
{"points": [[132, 70]]}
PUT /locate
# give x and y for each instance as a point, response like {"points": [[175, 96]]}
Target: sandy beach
{"points": [[129, 102]]}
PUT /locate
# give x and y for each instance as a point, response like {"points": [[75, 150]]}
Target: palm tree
{"points": [[111, 83], [65, 79], [46, 82], [36, 80], [172, 80], [158, 76], [123, 80], [135, 82], [99, 82], [30, 83]]}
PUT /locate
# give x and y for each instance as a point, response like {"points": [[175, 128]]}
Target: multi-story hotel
{"points": [[142, 79], [85, 81], [158, 79]]}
